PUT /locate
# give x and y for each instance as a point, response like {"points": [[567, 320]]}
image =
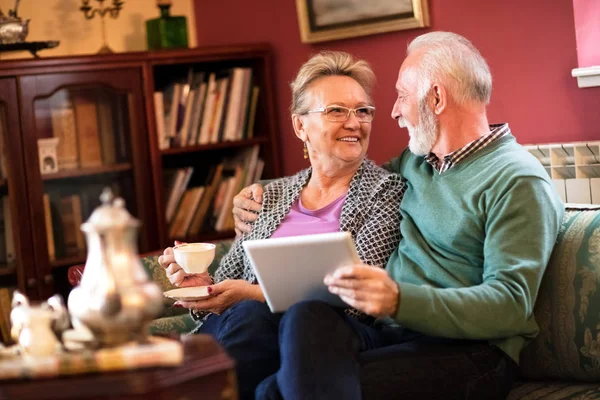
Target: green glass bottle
{"points": [[166, 32]]}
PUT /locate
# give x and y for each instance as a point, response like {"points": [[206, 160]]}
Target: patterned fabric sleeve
{"points": [[379, 236], [232, 264]]}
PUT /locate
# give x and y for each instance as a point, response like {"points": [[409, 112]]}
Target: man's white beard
{"points": [[425, 134]]}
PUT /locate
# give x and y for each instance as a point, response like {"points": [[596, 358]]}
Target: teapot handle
{"points": [[60, 320]]}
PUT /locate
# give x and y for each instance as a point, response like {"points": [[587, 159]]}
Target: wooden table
{"points": [[207, 372]]}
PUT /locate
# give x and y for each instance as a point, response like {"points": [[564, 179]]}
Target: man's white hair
{"points": [[453, 61]]}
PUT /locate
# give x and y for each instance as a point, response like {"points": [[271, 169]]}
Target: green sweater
{"points": [[476, 241]]}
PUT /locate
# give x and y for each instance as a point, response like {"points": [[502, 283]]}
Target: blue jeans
{"points": [[314, 351]]}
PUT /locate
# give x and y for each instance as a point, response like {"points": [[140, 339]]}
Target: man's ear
{"points": [[299, 128], [439, 98]]}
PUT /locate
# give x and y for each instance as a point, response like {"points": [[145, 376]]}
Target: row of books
{"points": [[64, 213], [90, 126], [196, 206], [7, 242], [209, 107]]}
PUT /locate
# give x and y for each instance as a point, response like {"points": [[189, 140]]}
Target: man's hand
{"points": [[368, 289], [176, 275], [249, 199], [224, 295]]}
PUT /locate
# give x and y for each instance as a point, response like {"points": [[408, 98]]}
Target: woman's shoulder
{"points": [[375, 175], [287, 181]]}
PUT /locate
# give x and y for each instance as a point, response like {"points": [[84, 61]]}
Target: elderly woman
{"points": [[332, 113]]}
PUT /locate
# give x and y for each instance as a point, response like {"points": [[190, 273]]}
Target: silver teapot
{"points": [[115, 299], [12, 28]]}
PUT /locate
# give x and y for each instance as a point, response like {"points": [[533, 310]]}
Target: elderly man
{"points": [[455, 303]]}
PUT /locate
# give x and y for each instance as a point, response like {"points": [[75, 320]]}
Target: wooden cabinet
{"points": [[17, 248], [111, 133]]}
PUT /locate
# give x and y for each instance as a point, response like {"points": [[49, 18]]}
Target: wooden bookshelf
{"points": [[83, 172], [136, 164], [214, 146]]}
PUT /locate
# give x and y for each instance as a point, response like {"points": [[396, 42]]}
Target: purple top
{"points": [[301, 221]]}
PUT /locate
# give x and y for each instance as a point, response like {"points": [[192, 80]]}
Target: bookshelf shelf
{"points": [[213, 146], [7, 269], [207, 237], [75, 173], [74, 259]]}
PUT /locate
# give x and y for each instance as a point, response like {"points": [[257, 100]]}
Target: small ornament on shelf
{"points": [[47, 154], [167, 31]]}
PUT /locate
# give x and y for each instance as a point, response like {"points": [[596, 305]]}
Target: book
{"points": [[209, 106], [197, 114], [88, 136], [260, 165], [182, 180], [63, 128], [159, 113], [201, 213], [234, 105], [106, 128], [187, 207], [217, 118], [70, 212], [244, 105], [49, 228], [249, 129]]}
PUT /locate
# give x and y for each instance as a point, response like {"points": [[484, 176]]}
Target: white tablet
{"points": [[292, 269]]}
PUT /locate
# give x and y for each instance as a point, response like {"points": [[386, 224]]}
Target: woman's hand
{"points": [[247, 200], [176, 275], [224, 295]]}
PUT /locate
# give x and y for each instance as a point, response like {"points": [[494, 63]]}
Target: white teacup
{"points": [[194, 258]]}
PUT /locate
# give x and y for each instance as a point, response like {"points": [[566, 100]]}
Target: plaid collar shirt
{"points": [[496, 132]]}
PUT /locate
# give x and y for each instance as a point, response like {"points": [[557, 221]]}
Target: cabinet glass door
{"points": [[16, 247], [87, 137]]}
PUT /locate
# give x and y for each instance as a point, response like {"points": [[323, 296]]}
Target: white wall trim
{"points": [[587, 77]]}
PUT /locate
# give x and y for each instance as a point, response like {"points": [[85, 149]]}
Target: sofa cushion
{"points": [[568, 306], [554, 391], [176, 324]]}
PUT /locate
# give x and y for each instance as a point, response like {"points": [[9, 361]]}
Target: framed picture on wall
{"points": [[323, 20]]}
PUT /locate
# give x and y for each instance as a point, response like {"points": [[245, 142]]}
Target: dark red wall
{"points": [[530, 46]]}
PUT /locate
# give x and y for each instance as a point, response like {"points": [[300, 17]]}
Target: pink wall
{"points": [[530, 46], [587, 29]]}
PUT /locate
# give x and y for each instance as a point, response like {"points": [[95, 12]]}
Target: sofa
{"points": [[563, 362]]}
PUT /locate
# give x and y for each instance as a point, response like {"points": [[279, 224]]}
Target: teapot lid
{"points": [[110, 215]]}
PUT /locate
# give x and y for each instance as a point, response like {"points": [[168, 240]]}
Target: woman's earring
{"points": [[305, 151]]}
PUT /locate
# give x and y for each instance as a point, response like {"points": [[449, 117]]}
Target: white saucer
{"points": [[188, 293]]}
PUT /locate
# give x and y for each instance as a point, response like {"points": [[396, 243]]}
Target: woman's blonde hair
{"points": [[329, 63]]}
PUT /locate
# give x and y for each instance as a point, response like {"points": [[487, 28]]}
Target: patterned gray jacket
{"points": [[370, 213]]}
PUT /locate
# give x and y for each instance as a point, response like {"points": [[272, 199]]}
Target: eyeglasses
{"points": [[335, 113]]}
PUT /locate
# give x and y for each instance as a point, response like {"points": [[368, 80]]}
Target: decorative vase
{"points": [[167, 31]]}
